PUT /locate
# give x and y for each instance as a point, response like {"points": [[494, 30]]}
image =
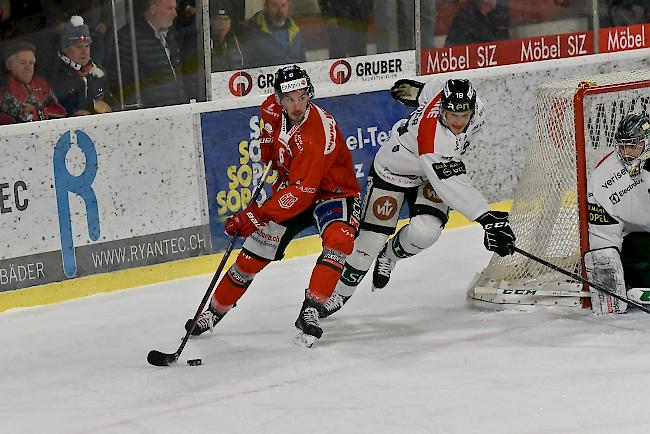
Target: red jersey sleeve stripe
{"points": [[427, 127]]}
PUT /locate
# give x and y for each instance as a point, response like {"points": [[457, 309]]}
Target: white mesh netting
{"points": [[544, 213]]}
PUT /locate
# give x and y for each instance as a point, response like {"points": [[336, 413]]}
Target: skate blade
{"points": [[304, 340]]}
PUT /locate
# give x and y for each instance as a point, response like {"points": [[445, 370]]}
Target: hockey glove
{"points": [[266, 148], [250, 220], [499, 237], [407, 91]]}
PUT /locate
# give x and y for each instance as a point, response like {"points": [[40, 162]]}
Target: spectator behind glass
{"points": [[26, 97], [273, 38], [96, 13], [159, 65], [80, 85], [479, 21], [628, 12], [347, 26], [226, 50]]}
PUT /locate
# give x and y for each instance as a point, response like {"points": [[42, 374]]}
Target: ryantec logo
{"points": [[340, 72], [240, 84]]}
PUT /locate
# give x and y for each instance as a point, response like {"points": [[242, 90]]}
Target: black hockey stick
{"points": [[158, 358], [580, 279]]}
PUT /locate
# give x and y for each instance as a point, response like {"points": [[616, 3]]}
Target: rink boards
{"points": [[100, 203]]}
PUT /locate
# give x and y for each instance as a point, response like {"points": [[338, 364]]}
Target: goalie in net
{"points": [[574, 123], [619, 218]]}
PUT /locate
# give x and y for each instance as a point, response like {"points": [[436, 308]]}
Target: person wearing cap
{"points": [[78, 82], [227, 53], [26, 97], [160, 76]]}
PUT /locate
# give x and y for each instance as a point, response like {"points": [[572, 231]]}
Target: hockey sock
{"points": [[325, 275], [238, 278]]}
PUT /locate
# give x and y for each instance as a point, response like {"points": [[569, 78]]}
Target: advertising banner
{"points": [[328, 76], [624, 38], [508, 52], [99, 198], [232, 150]]}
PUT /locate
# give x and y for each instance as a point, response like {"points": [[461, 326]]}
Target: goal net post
{"points": [[574, 124]]}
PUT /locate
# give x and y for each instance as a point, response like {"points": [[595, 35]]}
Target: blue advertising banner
{"points": [[232, 152]]}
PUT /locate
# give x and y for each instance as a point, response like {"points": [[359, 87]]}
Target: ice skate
{"points": [[207, 320], [307, 323], [334, 304], [383, 267]]}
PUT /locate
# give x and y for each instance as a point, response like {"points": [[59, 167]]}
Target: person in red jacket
{"points": [[316, 186], [26, 97]]}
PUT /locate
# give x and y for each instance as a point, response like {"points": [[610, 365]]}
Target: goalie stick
{"points": [[158, 358], [580, 279], [528, 292]]}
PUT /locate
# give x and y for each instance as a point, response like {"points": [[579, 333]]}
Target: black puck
{"points": [[194, 362]]}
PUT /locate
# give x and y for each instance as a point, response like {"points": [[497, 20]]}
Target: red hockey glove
{"points": [[246, 222], [266, 149], [498, 237]]}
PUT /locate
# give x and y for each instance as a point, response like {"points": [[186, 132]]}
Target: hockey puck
{"points": [[194, 362]]}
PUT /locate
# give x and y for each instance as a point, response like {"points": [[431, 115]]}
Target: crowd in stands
{"points": [[60, 57]]}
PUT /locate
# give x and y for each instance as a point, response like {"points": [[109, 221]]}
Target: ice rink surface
{"points": [[414, 358]]}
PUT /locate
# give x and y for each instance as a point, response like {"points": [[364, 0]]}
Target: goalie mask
{"points": [[631, 137], [291, 78]]}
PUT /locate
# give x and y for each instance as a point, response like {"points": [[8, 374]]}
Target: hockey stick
{"points": [[580, 279], [159, 358]]}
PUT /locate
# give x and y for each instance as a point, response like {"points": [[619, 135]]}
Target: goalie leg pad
{"points": [[604, 267]]}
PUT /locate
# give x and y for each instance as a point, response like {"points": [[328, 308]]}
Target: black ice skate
{"points": [[334, 304], [383, 267], [207, 320], [307, 323]]}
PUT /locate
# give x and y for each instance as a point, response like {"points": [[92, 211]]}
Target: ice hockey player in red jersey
{"points": [[316, 186], [619, 218], [421, 165]]}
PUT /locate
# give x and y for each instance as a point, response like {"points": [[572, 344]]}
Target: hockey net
{"points": [[575, 121]]}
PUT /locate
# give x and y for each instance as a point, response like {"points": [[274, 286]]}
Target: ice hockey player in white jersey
{"points": [[420, 164], [619, 218]]}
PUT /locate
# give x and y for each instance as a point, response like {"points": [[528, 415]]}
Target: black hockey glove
{"points": [[499, 237], [407, 91]]}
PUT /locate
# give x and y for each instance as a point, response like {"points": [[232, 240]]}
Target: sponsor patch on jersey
{"points": [[287, 200], [384, 207], [430, 194], [598, 215], [447, 170]]}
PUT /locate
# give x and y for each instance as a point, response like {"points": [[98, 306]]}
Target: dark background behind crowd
{"points": [[50, 58]]}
